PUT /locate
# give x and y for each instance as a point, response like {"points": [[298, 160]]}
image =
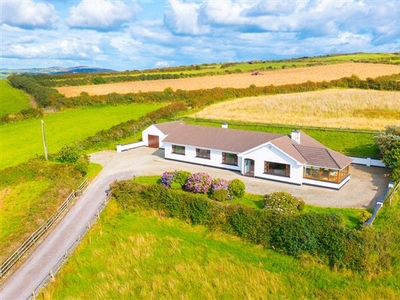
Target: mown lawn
{"points": [[23, 140], [12, 100], [142, 255]]}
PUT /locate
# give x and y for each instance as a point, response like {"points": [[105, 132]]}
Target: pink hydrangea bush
{"points": [[220, 184], [198, 183]]}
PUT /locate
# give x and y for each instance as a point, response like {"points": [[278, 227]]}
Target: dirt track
{"points": [[276, 77]]}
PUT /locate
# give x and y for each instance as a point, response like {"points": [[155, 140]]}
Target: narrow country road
{"points": [[31, 273], [365, 186]]}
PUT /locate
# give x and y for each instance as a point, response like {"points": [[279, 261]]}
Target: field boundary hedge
{"points": [[322, 236]]}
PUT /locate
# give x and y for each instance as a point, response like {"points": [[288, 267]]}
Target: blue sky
{"points": [[142, 34]]}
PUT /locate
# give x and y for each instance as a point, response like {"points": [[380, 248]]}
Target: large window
{"points": [[325, 174], [178, 149], [229, 159], [203, 153], [276, 169]]}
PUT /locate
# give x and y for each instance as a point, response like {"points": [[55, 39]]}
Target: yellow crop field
{"points": [[276, 77], [337, 108]]}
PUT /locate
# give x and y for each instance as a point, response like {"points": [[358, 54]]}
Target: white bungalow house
{"points": [[296, 158]]}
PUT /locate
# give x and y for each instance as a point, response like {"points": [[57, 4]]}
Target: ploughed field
{"points": [[334, 108], [275, 77]]}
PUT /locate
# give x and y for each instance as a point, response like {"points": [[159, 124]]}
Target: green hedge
{"points": [[321, 235]]}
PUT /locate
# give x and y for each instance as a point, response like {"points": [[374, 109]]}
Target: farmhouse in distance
{"points": [[296, 158]]}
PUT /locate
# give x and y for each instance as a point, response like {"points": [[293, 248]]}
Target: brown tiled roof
{"points": [[316, 154], [168, 127], [230, 140], [286, 144]]}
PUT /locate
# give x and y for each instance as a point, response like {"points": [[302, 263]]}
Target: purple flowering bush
{"points": [[175, 180], [166, 178], [219, 189], [198, 183]]}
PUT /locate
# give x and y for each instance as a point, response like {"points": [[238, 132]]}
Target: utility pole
{"points": [[44, 141]]}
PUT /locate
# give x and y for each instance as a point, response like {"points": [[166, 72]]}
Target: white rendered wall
{"points": [[153, 130], [190, 157], [272, 154]]}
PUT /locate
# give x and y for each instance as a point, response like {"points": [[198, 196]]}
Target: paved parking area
{"points": [[366, 186]]}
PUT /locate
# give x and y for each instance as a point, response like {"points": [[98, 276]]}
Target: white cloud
{"points": [[182, 18], [28, 14], [101, 14]]}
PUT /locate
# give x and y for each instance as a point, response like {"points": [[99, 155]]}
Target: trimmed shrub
{"points": [[180, 177], [282, 202], [220, 195], [220, 185], [198, 183], [236, 188]]}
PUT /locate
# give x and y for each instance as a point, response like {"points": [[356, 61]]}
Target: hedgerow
{"points": [[48, 97], [321, 235]]}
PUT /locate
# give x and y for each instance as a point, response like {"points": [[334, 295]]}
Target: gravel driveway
{"points": [[367, 184]]}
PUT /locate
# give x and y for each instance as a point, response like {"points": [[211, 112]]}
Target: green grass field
{"points": [[144, 256], [12, 100], [23, 140]]}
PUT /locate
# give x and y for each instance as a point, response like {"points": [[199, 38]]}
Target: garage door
{"points": [[153, 141]]}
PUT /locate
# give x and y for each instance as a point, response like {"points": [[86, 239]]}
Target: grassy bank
{"points": [[23, 140], [29, 194], [12, 100], [149, 256]]}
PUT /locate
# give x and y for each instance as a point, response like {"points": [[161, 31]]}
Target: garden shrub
{"points": [[198, 183], [69, 153], [220, 195], [283, 202], [219, 185], [166, 178], [175, 186], [301, 205], [365, 216], [82, 165], [180, 177], [175, 180], [236, 188]]}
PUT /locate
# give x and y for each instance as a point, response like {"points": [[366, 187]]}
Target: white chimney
{"points": [[295, 136], [224, 125]]}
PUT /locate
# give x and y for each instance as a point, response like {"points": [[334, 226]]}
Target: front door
{"points": [[249, 167]]}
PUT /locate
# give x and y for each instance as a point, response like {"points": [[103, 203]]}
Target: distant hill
{"points": [[54, 70]]}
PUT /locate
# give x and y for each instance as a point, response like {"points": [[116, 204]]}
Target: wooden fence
{"points": [[57, 267], [30, 241]]}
